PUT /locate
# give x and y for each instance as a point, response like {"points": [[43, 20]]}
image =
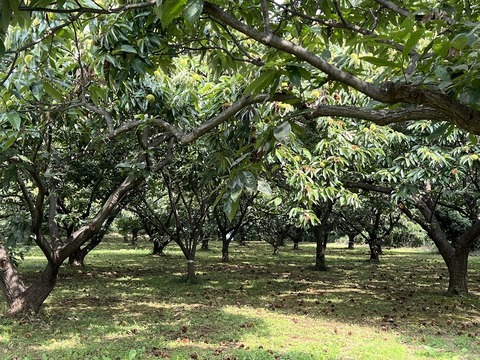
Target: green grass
{"points": [[126, 304]]}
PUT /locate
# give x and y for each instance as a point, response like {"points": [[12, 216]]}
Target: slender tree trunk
{"points": [[457, 270], [225, 246], [320, 261], [351, 241], [159, 247], [78, 257], [204, 246], [135, 236], [321, 236], [190, 270]]}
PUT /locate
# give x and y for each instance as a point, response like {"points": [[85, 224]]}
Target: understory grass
{"points": [[127, 304]]}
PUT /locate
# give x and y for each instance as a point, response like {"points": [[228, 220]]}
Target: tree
{"points": [[82, 104], [374, 220]]}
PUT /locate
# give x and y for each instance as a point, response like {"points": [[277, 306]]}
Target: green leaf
{"points": [[52, 91], [37, 90], [412, 41], [14, 119], [90, 4], [282, 132], [6, 15], [261, 82], [193, 10], [248, 180], [8, 143], [124, 48], [459, 41], [440, 131], [379, 62], [236, 192], [170, 9], [230, 208], [264, 187], [473, 139]]}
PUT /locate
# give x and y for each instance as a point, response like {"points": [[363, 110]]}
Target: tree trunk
{"points": [[295, 245], [78, 257], [351, 241], [374, 253], [457, 270], [190, 270], [11, 283], [225, 246], [135, 236], [320, 262], [159, 246], [204, 246], [21, 299]]}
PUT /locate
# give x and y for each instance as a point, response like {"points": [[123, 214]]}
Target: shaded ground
{"points": [[127, 304]]}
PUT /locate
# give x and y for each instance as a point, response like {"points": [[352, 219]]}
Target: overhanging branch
{"points": [[380, 117]]}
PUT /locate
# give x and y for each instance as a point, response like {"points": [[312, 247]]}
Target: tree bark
{"points": [[225, 246], [456, 258], [374, 253], [351, 241], [457, 271], [320, 233], [204, 246], [21, 299], [159, 247], [190, 270], [78, 257], [11, 283]]}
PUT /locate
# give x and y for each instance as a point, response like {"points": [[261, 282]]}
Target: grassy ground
{"points": [[126, 304]]}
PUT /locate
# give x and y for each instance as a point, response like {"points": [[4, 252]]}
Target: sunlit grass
{"points": [[126, 304]]}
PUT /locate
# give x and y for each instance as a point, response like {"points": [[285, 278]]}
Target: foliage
{"points": [[406, 234]]}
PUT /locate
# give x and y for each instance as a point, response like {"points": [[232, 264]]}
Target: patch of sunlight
{"points": [[318, 335], [59, 344]]}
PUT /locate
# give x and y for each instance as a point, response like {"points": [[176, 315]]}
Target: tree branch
{"points": [[394, 7], [300, 52], [380, 117]]}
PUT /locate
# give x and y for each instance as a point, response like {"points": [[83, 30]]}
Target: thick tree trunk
{"points": [[374, 254], [21, 299], [32, 299], [457, 270], [11, 283]]}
